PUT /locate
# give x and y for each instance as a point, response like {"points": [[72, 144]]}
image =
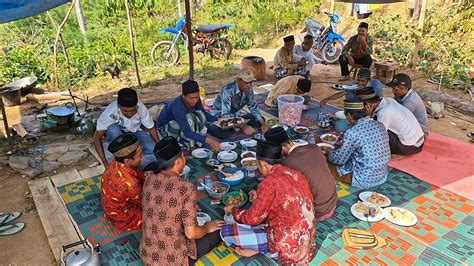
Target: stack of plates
{"points": [[227, 156]]}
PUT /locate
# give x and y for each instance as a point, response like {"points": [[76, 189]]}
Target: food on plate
{"points": [[329, 138], [363, 208], [378, 199], [235, 176], [248, 155], [235, 199], [249, 163], [229, 122], [301, 129], [400, 215], [217, 188]]}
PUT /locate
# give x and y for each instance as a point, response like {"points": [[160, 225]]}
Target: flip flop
{"points": [[8, 217], [11, 229]]}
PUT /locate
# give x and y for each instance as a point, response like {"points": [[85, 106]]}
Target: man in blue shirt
{"points": [[364, 154], [185, 119], [234, 97], [363, 80]]}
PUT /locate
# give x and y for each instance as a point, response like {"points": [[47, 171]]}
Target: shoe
{"points": [[345, 78]]}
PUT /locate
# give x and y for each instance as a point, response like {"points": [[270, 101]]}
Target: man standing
{"points": [[284, 63], [363, 80], [310, 161], [234, 97], [401, 88], [126, 114], [405, 134], [362, 158], [293, 84], [305, 50], [356, 51], [185, 119]]}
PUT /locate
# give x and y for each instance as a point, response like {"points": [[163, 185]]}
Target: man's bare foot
{"points": [[345, 78]]}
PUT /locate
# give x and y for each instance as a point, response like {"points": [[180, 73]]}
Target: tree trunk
{"points": [[455, 103], [421, 24], [132, 43], [190, 39]]}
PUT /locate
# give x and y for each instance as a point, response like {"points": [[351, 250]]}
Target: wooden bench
{"points": [[385, 70]]}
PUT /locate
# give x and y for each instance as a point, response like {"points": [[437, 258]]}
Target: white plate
{"points": [[303, 129], [201, 153], [228, 146], [392, 219], [227, 156], [300, 142], [202, 218], [325, 145], [248, 143], [230, 165], [245, 152], [364, 196], [285, 127], [229, 219], [360, 215], [332, 142], [258, 136]]}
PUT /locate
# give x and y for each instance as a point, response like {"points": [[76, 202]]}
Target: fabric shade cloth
{"points": [[11, 10]]}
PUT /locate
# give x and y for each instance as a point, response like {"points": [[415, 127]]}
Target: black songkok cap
{"points": [[276, 134], [304, 85], [167, 148], [364, 25], [189, 86], [367, 94], [268, 151], [127, 97], [289, 38], [123, 145]]}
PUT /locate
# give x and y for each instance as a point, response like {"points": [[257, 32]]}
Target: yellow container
{"points": [[202, 94]]}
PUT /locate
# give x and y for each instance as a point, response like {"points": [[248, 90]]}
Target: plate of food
{"points": [[248, 154], [399, 216], [285, 127], [325, 147], [329, 138], [228, 146], [366, 211], [224, 166], [248, 143], [227, 156], [237, 198], [235, 179], [201, 153], [375, 198], [227, 123], [202, 218], [249, 164], [300, 142], [301, 129]]}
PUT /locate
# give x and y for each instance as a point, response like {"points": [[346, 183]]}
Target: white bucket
{"points": [[290, 108]]}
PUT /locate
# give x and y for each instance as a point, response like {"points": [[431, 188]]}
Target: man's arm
{"points": [[258, 212], [180, 117], [153, 134], [253, 107], [226, 101], [342, 154], [333, 97], [98, 145]]}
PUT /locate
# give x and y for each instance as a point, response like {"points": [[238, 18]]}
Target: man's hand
{"points": [[263, 126], [214, 225], [245, 252], [324, 62], [351, 60], [370, 109], [252, 195], [248, 130], [323, 102], [290, 71], [213, 144], [228, 209]]}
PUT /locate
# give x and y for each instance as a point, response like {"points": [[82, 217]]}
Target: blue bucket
{"points": [[341, 123]]}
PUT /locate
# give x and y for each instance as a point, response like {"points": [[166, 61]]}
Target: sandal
{"points": [[8, 217], [11, 229]]}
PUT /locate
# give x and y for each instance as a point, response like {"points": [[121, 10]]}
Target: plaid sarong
{"points": [[245, 237], [197, 122], [282, 72]]}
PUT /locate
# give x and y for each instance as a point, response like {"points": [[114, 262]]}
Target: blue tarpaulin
{"points": [[11, 10]]}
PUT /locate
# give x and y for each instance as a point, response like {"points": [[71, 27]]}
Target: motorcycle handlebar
{"points": [[327, 13]]}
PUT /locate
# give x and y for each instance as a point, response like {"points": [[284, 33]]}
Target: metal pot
{"points": [[82, 257], [63, 114]]}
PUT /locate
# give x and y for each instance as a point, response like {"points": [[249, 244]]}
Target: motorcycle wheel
{"points": [[332, 51], [162, 56], [220, 49]]}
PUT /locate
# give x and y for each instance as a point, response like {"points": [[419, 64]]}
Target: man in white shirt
{"points": [[127, 114], [305, 50], [405, 134]]}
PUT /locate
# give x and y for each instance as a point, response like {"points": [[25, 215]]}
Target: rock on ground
{"points": [[53, 157], [78, 147], [56, 150], [72, 157], [19, 162], [30, 172]]}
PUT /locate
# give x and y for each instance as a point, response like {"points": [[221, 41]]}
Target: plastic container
{"points": [[290, 108], [223, 189], [202, 95], [341, 122], [198, 184], [208, 181], [237, 182]]}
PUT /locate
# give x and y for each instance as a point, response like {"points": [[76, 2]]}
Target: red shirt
{"points": [[285, 203], [121, 195]]}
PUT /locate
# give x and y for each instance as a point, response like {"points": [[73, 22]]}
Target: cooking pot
{"points": [[82, 257], [63, 114]]}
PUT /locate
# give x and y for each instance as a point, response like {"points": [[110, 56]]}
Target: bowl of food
{"points": [[226, 166], [301, 129], [235, 179], [326, 147], [249, 164], [329, 138], [237, 198], [248, 154], [218, 190]]}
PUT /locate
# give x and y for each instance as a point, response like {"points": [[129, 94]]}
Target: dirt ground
{"points": [[30, 247]]}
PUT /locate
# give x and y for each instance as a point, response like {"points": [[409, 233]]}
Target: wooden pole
{"points": [[421, 24], [190, 41], [5, 121], [80, 17], [331, 6], [132, 43], [179, 9]]}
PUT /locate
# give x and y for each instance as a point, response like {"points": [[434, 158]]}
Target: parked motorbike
{"points": [[205, 38], [327, 42]]}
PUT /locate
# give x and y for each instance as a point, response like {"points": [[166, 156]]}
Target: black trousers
{"points": [[206, 244], [365, 61], [396, 147]]}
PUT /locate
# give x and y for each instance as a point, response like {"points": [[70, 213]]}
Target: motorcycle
{"points": [[205, 38], [327, 42]]}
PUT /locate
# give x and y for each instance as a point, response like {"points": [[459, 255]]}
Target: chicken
{"points": [[113, 70]]}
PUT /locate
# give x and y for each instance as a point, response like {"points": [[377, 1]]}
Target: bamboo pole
{"points": [[331, 6], [5, 122], [132, 43], [80, 17], [190, 39], [421, 24]]}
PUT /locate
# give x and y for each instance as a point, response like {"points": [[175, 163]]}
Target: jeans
{"points": [[144, 138], [365, 61]]}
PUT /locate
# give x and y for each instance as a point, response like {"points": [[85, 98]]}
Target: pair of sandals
{"points": [[7, 227]]}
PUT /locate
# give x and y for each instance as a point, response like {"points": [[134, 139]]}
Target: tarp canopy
{"points": [[369, 1], [11, 10]]}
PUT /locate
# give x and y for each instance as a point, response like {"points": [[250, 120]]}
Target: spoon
{"points": [[225, 174], [202, 184]]}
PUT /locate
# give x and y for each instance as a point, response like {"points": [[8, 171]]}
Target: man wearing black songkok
{"points": [[283, 198], [170, 205], [284, 62], [126, 115], [310, 161]]}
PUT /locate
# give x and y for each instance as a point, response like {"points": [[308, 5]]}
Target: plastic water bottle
{"points": [[202, 95], [199, 186], [208, 181]]}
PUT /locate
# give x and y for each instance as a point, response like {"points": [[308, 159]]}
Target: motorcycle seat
{"points": [[212, 27]]}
